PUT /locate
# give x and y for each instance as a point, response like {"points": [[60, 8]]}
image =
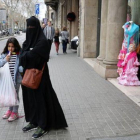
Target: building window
{"points": [[52, 16]]}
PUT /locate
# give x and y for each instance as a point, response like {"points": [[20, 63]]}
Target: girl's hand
{"points": [[8, 58], [9, 53]]}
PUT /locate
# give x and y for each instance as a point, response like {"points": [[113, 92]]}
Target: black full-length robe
{"points": [[41, 106]]}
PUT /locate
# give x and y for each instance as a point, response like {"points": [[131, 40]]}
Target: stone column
{"points": [[117, 12], [82, 26], [48, 12], [88, 28], [69, 9], [104, 12], [65, 14], [59, 16]]}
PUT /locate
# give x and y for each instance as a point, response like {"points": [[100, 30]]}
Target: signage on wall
{"points": [[37, 9], [45, 20]]}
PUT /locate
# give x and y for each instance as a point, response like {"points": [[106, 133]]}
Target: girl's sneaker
{"points": [[13, 117], [7, 114]]}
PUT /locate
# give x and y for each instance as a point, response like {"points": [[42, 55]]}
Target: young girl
{"points": [[56, 40], [10, 55]]}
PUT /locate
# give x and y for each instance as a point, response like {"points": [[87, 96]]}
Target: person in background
{"points": [[49, 32], [56, 40], [65, 39], [43, 26]]}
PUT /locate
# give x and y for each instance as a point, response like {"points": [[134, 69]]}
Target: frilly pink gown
{"points": [[128, 76], [123, 51]]}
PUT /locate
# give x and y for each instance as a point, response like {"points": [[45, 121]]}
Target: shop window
{"points": [[133, 11]]}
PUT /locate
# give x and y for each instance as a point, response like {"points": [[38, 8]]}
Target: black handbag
{"points": [[67, 41]]}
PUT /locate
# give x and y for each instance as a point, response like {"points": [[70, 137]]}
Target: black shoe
{"points": [[39, 133], [29, 127]]}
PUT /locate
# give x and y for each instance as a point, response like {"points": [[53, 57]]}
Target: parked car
{"points": [[0, 32], [7, 32], [3, 32], [17, 32], [74, 43]]}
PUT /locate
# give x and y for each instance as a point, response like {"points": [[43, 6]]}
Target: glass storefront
{"points": [[134, 11]]}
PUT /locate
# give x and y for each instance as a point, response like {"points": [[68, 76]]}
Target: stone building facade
{"points": [[113, 16], [50, 14], [61, 8]]}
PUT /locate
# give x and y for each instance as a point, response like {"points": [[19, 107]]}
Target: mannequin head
{"points": [[132, 47], [127, 24]]}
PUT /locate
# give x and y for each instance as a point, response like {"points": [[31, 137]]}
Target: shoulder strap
{"points": [[43, 67]]}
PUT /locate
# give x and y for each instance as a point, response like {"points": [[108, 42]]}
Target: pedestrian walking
{"points": [[41, 105], [43, 26], [65, 39], [10, 55], [56, 40], [49, 32]]}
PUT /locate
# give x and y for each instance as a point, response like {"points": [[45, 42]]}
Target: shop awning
{"points": [[52, 3]]}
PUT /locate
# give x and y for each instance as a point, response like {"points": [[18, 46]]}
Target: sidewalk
{"points": [[133, 92], [137, 137], [94, 108]]}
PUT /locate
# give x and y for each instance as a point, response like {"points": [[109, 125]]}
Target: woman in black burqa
{"points": [[42, 108]]}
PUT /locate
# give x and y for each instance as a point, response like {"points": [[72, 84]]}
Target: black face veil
{"points": [[35, 39], [32, 33]]}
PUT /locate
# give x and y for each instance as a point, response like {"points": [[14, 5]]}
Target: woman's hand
{"points": [[8, 58]]}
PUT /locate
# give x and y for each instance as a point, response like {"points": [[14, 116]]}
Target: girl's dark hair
{"points": [[14, 42]]}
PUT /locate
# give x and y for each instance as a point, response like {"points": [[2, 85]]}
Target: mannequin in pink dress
{"points": [[130, 68], [131, 36]]}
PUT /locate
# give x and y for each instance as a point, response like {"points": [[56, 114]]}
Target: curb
{"points": [[6, 37], [9, 37]]}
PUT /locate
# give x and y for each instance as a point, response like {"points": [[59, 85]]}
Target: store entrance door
{"points": [[98, 28]]}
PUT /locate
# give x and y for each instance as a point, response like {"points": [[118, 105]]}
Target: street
{"points": [[94, 108]]}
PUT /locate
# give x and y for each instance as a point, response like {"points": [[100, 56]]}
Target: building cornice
{"points": [[52, 3]]}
